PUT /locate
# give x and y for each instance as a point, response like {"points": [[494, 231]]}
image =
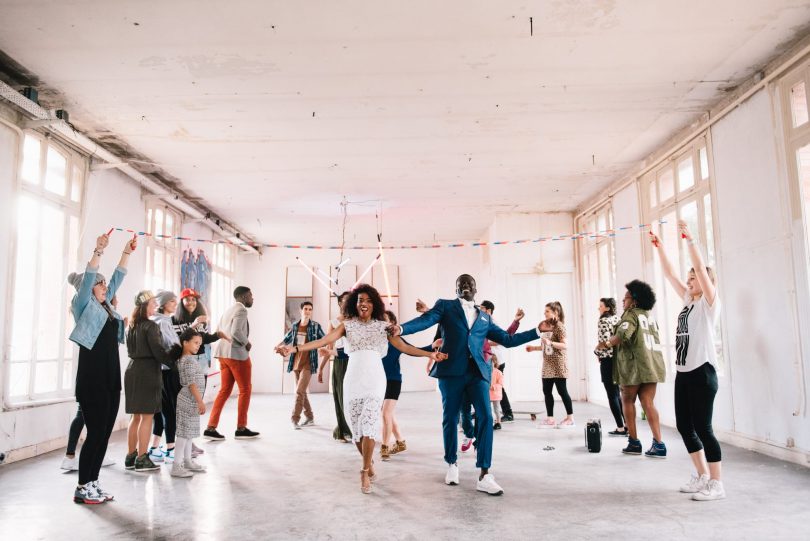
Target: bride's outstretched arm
{"points": [[408, 349]]}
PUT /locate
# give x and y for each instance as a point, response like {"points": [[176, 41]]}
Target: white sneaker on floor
{"points": [[307, 422], [296, 426], [70, 464], [713, 491], [193, 466], [488, 485], [179, 471], [196, 451], [695, 484], [566, 423], [451, 478], [108, 461]]}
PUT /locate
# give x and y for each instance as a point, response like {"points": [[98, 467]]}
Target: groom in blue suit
{"points": [[464, 328]]}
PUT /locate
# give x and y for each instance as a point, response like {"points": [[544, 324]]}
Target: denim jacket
{"points": [[314, 332], [88, 313]]}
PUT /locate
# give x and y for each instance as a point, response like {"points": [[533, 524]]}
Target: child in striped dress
{"points": [[190, 403]]}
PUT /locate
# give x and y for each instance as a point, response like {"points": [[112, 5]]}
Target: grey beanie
{"points": [[164, 297], [75, 279]]}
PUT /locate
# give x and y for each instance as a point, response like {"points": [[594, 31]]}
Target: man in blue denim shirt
{"points": [[303, 364]]}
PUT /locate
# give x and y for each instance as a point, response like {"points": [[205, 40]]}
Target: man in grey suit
{"points": [[234, 365]]}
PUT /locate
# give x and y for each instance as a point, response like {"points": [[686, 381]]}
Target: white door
{"points": [[531, 292]]}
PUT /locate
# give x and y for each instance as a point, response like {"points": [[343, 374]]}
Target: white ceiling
{"points": [[446, 111]]}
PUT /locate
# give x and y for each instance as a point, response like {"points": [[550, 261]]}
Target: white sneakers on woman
{"points": [[488, 485], [695, 484], [713, 491], [451, 478]]}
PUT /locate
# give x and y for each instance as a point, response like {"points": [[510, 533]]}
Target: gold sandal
{"points": [[365, 489], [373, 477]]}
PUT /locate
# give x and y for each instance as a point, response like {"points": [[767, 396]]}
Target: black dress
{"points": [[100, 368]]}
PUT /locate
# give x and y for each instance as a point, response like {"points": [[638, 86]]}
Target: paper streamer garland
{"points": [[575, 236]]}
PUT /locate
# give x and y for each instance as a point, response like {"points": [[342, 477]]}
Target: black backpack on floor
{"points": [[593, 435]]}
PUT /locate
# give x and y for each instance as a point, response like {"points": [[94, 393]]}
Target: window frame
{"points": [[72, 212], [168, 247], [698, 192]]}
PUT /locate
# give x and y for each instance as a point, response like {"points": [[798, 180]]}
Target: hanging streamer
{"points": [[575, 236]]}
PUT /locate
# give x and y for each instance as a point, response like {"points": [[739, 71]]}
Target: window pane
{"points": [[149, 221], [19, 375], [158, 268], [803, 168], [604, 271], [689, 214], [666, 184], [686, 174], [707, 212], [45, 377], [169, 228], [704, 164], [601, 223], [158, 222], [51, 284], [25, 278], [76, 186], [653, 193], [56, 172], [67, 375], [798, 104], [30, 165]]}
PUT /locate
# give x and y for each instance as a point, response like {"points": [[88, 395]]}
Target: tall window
{"points": [[48, 207], [680, 189], [162, 248], [597, 262], [794, 94], [223, 266]]}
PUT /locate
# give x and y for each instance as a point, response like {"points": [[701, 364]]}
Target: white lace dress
{"points": [[364, 386]]}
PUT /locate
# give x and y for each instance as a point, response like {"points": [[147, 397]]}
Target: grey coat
{"points": [[235, 323]]}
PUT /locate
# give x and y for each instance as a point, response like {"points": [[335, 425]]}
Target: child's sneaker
{"points": [[695, 484], [713, 491], [656, 450], [179, 471], [87, 494], [129, 460], [633, 447], [168, 456], [196, 451], [193, 466]]}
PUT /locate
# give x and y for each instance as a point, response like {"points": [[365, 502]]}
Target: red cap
{"points": [[188, 292]]}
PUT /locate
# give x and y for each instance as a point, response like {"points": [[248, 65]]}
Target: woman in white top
{"points": [[696, 380], [364, 328]]}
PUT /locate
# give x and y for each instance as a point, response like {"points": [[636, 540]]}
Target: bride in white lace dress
{"points": [[364, 386]]}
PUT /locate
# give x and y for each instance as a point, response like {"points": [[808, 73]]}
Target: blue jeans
{"points": [[476, 389]]}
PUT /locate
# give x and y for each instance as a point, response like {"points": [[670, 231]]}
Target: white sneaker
{"points": [[193, 466], [108, 461], [196, 451], [488, 485], [695, 484], [713, 491], [70, 464], [451, 478], [296, 426], [179, 471], [307, 422]]}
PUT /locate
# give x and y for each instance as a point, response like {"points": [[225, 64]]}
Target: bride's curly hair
{"points": [[350, 305]]}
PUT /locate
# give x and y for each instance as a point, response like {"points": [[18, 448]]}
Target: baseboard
{"points": [[793, 455]]}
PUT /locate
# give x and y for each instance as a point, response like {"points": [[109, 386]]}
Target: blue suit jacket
{"points": [[459, 341]]}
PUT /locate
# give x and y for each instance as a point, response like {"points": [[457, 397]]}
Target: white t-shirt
{"points": [[694, 335]]}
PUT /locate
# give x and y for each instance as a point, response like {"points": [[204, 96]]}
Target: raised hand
{"points": [[655, 240], [421, 307], [684, 230], [131, 244], [200, 319], [519, 314], [102, 241]]}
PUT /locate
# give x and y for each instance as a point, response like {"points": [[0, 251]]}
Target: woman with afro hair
{"points": [[639, 366]]}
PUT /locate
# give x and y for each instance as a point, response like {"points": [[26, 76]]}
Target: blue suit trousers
{"points": [[476, 389]]}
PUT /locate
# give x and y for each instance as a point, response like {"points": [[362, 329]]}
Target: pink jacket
{"points": [[496, 385]]}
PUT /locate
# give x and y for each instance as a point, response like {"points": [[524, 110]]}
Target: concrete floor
{"points": [[302, 485]]}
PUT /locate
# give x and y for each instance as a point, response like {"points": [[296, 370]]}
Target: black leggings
{"points": [[76, 427], [612, 390], [505, 405], [99, 414], [167, 418], [694, 404], [562, 389]]}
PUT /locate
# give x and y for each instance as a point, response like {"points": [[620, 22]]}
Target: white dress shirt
{"points": [[469, 311]]}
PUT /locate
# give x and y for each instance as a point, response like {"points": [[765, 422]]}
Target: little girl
{"points": [[190, 404], [496, 393]]}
